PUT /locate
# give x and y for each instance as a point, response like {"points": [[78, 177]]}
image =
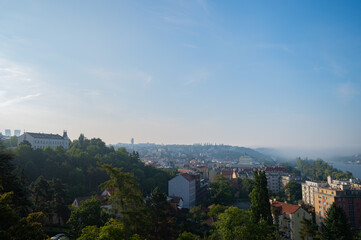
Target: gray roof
{"points": [[45, 135]]}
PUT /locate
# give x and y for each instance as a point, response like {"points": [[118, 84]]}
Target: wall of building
{"points": [[181, 187]]}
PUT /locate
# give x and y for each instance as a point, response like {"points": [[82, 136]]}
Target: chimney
{"points": [[329, 180], [65, 134]]}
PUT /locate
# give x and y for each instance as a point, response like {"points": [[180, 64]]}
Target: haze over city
{"points": [[256, 74]]}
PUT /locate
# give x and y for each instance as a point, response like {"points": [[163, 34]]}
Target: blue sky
{"points": [[251, 73]]}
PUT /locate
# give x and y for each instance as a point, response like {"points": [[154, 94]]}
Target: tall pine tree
{"points": [[337, 225], [260, 206]]}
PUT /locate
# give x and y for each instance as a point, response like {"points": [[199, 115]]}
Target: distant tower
{"points": [[8, 132], [132, 142], [17, 133]]}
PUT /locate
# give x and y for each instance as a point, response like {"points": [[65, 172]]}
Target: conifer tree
{"points": [[260, 206], [337, 225]]}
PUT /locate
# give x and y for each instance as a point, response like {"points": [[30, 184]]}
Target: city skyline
{"points": [[255, 74]]}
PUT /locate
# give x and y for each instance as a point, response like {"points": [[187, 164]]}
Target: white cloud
{"points": [[18, 100], [17, 83]]}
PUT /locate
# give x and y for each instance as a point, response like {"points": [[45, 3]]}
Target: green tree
{"points": [[216, 209], [188, 236], [293, 190], [221, 192], [337, 225], [235, 224], [87, 214], [14, 227], [112, 230], [41, 196], [246, 186], [10, 182], [59, 199], [126, 199], [260, 206], [309, 230], [160, 218]]}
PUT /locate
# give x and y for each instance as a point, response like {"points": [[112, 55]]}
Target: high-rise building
{"points": [[17, 133], [132, 143], [7, 132]]}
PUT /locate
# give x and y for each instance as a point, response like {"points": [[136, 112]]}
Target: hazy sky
{"points": [[249, 73]]}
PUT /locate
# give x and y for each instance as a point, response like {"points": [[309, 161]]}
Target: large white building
{"points": [[42, 140], [309, 188], [184, 186]]}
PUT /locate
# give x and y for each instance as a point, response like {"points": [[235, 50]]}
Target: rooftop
{"points": [[45, 135], [285, 207]]}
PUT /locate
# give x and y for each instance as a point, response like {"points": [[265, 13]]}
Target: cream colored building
{"points": [[309, 188], [289, 221]]}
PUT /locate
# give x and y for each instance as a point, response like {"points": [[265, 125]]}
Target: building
{"points": [[309, 188], [229, 174], [42, 140], [344, 195], [184, 186], [289, 220], [17, 133], [274, 178], [190, 187], [7, 132], [289, 178]]}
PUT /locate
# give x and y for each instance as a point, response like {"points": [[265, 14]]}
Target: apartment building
{"points": [[343, 194], [289, 220], [309, 188], [190, 187]]}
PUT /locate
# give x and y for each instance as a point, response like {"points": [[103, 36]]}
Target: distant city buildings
{"points": [[7, 132], [42, 140], [17, 133]]}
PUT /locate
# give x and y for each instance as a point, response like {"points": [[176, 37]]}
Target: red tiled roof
{"points": [[175, 199], [276, 169], [209, 221], [227, 172], [183, 170], [187, 176], [285, 207]]}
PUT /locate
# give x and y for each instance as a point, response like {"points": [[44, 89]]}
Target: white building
{"points": [[42, 140], [184, 186], [309, 188]]}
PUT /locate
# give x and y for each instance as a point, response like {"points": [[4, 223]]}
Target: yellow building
{"points": [[323, 199], [348, 199]]}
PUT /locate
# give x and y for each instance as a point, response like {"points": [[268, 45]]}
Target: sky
{"points": [[282, 74]]}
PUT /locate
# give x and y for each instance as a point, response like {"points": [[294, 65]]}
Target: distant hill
{"points": [[355, 159], [199, 151]]}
